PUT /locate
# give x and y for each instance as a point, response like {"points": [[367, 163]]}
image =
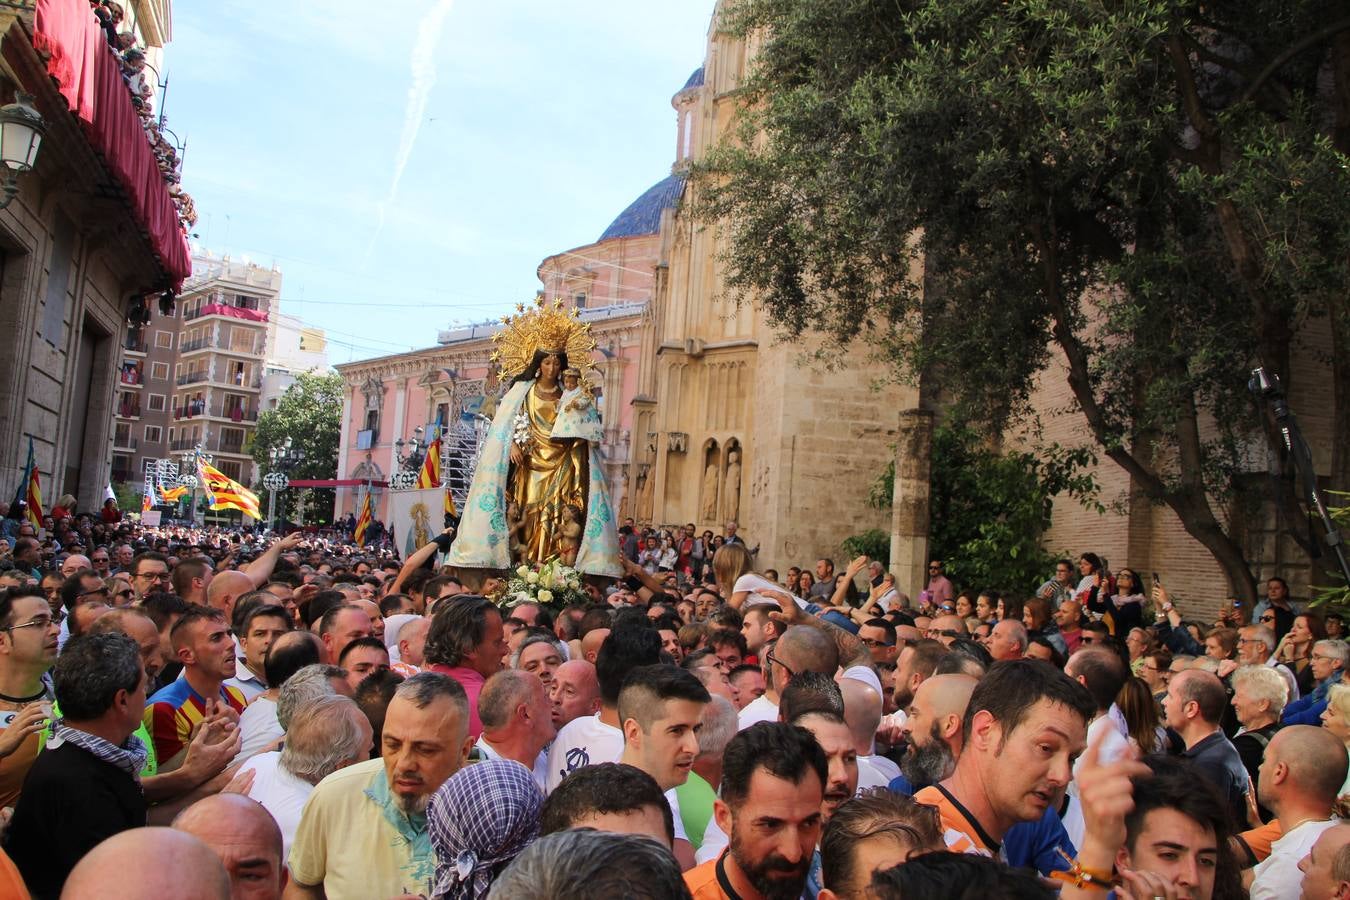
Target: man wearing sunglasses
{"points": [[1276, 611], [27, 651]]}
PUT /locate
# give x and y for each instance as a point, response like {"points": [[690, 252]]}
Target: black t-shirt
{"points": [[1251, 747], [71, 801]]}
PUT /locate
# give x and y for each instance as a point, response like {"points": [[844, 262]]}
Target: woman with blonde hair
{"points": [[1336, 719], [65, 507], [738, 583]]}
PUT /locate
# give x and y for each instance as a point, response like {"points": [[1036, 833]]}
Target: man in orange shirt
{"points": [[1024, 726], [773, 783]]}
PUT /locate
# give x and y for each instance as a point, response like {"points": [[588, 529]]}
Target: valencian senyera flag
{"points": [[430, 474], [33, 489], [363, 521], [223, 492]]}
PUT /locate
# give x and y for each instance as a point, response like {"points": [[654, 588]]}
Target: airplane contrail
{"points": [[424, 74]]}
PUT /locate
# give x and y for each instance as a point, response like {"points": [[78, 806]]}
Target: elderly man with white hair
{"points": [[1256, 647], [329, 733]]}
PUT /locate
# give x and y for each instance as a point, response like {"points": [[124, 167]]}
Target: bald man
{"points": [[933, 731], [947, 628], [575, 691], [372, 610], [246, 839], [1301, 774], [132, 865], [862, 715], [74, 563], [1320, 867], [800, 649], [590, 644], [225, 588]]}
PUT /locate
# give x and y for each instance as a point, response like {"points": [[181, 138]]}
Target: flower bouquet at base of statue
{"points": [[552, 584]]}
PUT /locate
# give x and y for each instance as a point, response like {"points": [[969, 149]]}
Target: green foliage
{"points": [[309, 415], [1151, 194], [990, 509], [872, 543], [128, 495], [1335, 596]]}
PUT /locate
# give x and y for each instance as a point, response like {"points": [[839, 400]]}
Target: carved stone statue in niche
{"points": [[709, 510], [732, 507], [644, 499]]}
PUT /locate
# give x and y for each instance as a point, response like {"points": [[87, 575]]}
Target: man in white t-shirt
{"points": [[1301, 773], [661, 708], [800, 649], [590, 740], [327, 734], [1102, 672]]}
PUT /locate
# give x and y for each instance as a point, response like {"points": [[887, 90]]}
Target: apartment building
{"points": [[193, 379]]}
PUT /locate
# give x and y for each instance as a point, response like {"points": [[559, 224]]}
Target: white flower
{"points": [[573, 583], [522, 596], [523, 571], [545, 597], [532, 577]]}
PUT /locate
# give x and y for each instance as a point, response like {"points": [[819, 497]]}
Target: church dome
{"points": [[644, 215], [695, 80]]}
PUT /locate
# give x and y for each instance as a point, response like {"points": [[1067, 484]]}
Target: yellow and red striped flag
{"points": [[430, 474], [223, 492], [33, 496], [363, 521]]}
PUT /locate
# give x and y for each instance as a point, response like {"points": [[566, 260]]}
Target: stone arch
{"points": [[710, 481]]}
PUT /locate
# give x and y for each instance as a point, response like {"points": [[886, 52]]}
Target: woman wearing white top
{"points": [[739, 585]]}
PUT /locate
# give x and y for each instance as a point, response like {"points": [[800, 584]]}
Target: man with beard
{"points": [[932, 732], [363, 832], [832, 734], [773, 785], [1022, 729], [661, 708]]}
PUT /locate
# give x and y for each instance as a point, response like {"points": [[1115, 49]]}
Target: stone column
{"points": [[910, 510]]}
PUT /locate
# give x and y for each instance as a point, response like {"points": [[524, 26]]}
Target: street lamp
{"points": [[410, 453], [283, 458], [21, 132], [190, 462]]}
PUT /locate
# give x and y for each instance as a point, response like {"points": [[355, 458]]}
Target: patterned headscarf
{"points": [[479, 820]]}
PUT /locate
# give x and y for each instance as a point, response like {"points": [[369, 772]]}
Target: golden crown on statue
{"points": [[544, 326]]}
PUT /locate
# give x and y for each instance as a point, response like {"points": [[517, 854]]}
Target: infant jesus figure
{"points": [[577, 416]]}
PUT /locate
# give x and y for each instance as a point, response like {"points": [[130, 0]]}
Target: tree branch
{"points": [[1289, 53]]}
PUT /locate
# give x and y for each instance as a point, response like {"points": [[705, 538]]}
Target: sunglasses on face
{"points": [[1266, 619]]}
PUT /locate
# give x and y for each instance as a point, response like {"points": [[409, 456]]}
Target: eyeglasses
{"points": [[936, 633], [94, 593], [1088, 639], [774, 660], [1266, 619], [158, 576], [874, 642], [43, 622], [935, 568], [1324, 657]]}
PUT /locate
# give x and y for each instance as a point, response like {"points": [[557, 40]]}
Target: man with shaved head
{"points": [[74, 563], [1326, 868], [947, 628], [1301, 774], [226, 588], [575, 691], [932, 731], [191, 578], [245, 838], [132, 866], [800, 649], [862, 714]]}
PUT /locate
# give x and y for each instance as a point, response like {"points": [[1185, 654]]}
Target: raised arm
{"points": [[260, 570], [420, 556]]}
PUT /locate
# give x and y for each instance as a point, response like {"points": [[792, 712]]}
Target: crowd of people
{"points": [[205, 713]]}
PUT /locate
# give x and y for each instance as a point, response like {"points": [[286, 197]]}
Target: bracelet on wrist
{"points": [[1081, 877]]}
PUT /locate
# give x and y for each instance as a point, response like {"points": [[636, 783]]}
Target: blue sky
{"points": [[484, 135]]}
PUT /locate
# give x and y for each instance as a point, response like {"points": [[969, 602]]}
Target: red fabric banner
{"points": [[88, 75], [234, 312]]}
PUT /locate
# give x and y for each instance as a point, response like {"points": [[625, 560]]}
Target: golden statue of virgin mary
{"points": [[535, 493]]}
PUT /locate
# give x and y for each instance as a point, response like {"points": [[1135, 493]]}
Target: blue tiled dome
{"points": [[695, 80], [644, 215]]}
